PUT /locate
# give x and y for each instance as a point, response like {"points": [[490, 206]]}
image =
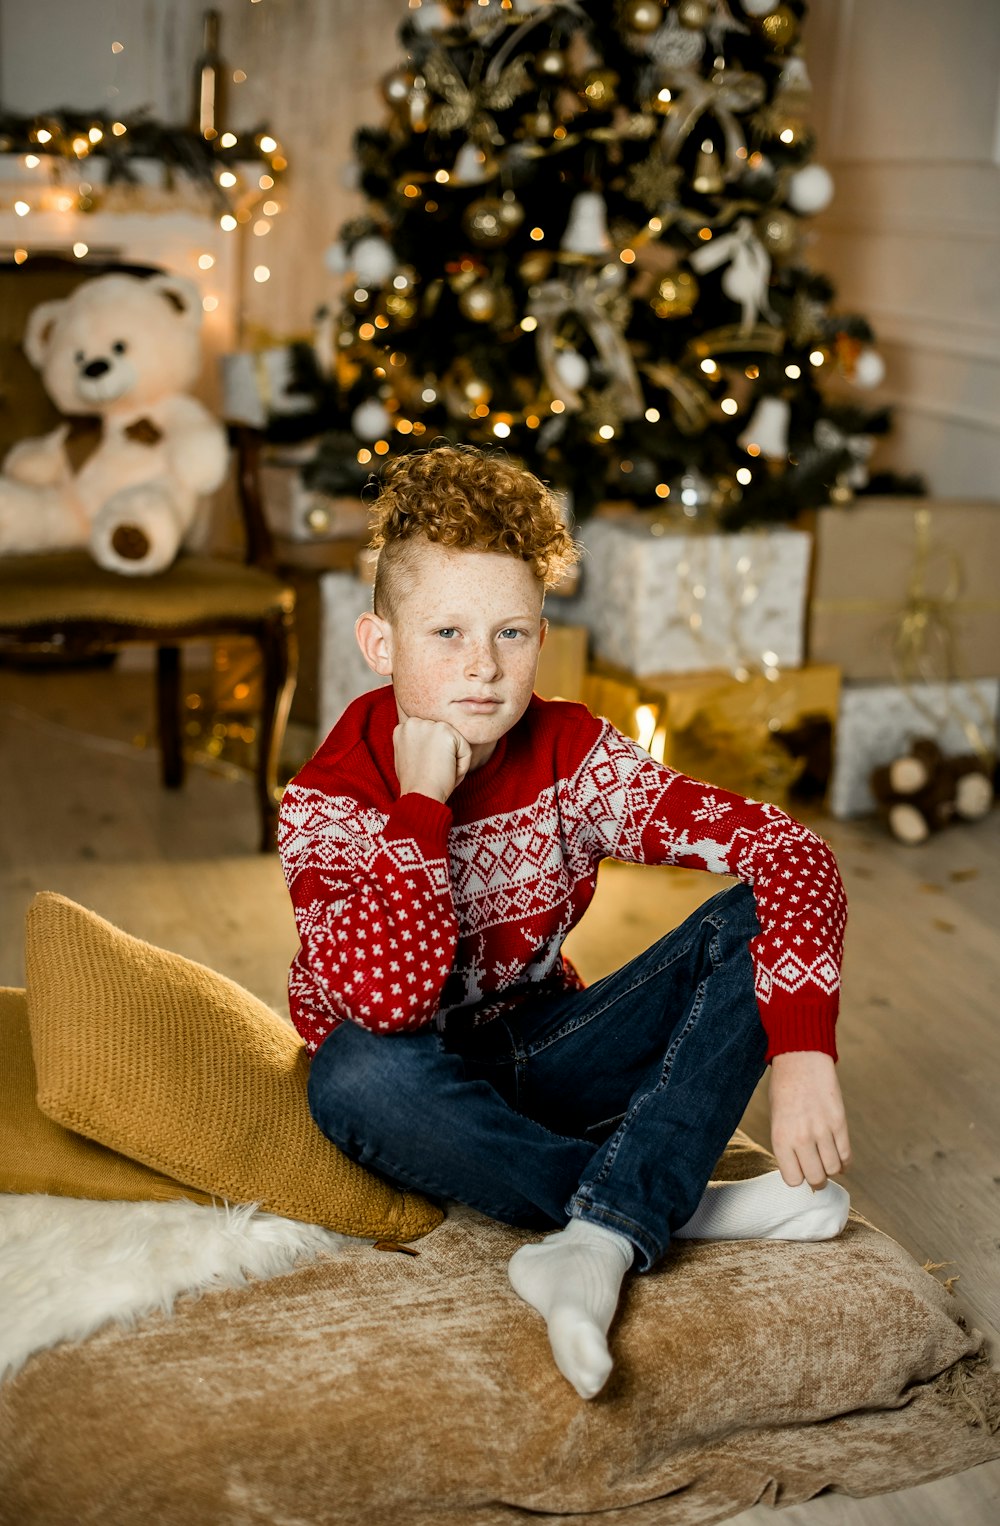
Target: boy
{"points": [[438, 848]]}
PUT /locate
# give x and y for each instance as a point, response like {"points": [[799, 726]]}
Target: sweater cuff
{"points": [[426, 821], [800, 1025]]}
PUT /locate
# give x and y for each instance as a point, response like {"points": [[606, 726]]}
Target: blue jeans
{"points": [[611, 1104]]}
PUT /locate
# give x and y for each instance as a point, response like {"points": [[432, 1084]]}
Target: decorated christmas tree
{"points": [[584, 239]]}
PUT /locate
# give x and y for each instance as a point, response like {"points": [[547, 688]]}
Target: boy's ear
{"points": [[543, 631], [374, 637]]}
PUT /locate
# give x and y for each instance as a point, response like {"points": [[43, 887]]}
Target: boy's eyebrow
{"points": [[457, 620]]}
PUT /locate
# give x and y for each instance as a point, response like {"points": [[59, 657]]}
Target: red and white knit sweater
{"points": [[408, 909]]}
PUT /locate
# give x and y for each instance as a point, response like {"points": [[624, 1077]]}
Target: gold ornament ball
{"points": [[600, 87], [511, 212], [642, 15], [487, 220], [396, 86], [478, 302], [693, 14], [550, 62], [780, 28], [534, 266], [676, 295], [841, 493], [778, 231]]}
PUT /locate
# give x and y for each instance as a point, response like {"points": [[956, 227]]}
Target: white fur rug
{"points": [[69, 1266]]}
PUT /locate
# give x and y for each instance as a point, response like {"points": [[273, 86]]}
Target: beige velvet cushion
{"points": [[68, 585], [377, 1387], [165, 1061], [37, 1155]]}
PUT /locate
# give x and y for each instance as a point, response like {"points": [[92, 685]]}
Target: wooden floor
{"points": [[82, 813]]}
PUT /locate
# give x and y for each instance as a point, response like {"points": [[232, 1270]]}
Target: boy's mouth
{"points": [[478, 702]]}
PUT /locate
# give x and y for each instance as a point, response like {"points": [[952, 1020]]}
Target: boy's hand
{"points": [[432, 758], [808, 1123]]}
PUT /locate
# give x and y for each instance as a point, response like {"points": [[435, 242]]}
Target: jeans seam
{"points": [[616, 1140]]}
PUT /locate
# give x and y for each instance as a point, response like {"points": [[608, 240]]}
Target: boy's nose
{"points": [[483, 661]]}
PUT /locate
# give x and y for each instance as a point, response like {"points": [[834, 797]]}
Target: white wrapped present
{"points": [[343, 672], [879, 721], [658, 600]]}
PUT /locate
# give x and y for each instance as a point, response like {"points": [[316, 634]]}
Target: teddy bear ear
{"points": [[181, 294], [39, 331]]}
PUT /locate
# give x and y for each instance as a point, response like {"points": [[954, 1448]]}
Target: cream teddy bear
{"points": [[125, 471]]}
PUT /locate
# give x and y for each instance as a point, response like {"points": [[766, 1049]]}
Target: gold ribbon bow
{"points": [[923, 643], [587, 299], [468, 105], [720, 96]]}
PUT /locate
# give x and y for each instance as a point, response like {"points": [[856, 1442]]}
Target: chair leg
{"points": [[279, 651], [168, 710]]}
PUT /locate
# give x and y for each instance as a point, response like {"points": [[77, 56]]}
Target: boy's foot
{"points": [[766, 1208], [573, 1278]]}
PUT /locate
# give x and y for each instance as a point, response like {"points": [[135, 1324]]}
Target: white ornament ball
{"points": [[336, 259], [810, 189], [370, 420], [373, 260], [431, 18], [760, 7], [571, 369], [869, 368]]}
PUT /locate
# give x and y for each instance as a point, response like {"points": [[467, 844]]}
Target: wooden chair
{"points": [[62, 602]]}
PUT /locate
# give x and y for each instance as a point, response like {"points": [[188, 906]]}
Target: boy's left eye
{"points": [[511, 632]]}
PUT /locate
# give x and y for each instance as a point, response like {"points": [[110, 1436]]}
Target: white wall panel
{"points": [[906, 95]]}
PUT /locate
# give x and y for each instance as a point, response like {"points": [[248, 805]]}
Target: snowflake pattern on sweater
{"points": [[409, 911]]}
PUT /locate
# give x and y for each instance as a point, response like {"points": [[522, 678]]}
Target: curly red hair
{"points": [[462, 497]]}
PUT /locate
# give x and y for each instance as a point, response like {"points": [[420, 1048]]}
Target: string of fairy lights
{"points": [[75, 164]]}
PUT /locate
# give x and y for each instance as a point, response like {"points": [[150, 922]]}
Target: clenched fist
{"points": [[432, 758]]}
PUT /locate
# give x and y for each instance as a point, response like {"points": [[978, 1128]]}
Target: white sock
{"points": [[766, 1208], [573, 1278]]}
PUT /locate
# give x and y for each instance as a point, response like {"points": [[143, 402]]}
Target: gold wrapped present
{"points": [[563, 663], [770, 738], [906, 589]]}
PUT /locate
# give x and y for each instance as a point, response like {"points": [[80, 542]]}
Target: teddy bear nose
{"points": [[96, 368]]}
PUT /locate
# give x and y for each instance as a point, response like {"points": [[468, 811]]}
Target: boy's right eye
{"points": [[447, 630]]}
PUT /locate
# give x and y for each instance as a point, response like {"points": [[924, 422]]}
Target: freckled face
{"points": [[464, 642]]}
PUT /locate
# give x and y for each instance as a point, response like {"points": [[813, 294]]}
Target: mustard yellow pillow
{"points": [[36, 1155], [173, 1065]]}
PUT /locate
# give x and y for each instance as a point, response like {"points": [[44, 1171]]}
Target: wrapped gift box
{"points": [[770, 738], [878, 721], [767, 737], [907, 584], [344, 674], [658, 600], [298, 513]]}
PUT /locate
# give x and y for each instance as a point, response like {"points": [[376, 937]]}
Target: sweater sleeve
{"points": [[640, 811], [373, 907]]}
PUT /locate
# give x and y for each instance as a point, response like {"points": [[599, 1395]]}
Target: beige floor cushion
{"points": [[38, 1155], [170, 1064], [386, 1387]]}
